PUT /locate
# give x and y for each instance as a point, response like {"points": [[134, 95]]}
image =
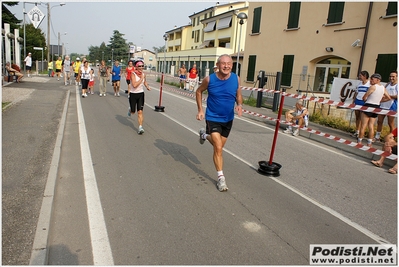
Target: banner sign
{"points": [[343, 90]]}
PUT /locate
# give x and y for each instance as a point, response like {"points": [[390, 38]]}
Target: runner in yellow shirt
{"points": [[76, 68], [58, 67]]}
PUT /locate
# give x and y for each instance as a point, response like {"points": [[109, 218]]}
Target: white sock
{"points": [[377, 135], [220, 173], [204, 136]]}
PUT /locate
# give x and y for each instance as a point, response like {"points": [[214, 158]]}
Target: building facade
{"points": [[313, 42], [211, 33]]}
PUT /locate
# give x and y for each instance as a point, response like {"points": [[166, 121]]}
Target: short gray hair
{"points": [[224, 55]]}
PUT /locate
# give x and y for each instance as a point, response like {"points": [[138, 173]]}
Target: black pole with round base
{"points": [[159, 108], [269, 169]]}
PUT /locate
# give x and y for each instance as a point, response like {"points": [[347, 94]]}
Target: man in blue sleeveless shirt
{"points": [[223, 92]]}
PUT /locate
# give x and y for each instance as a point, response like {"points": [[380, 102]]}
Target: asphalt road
{"points": [[157, 191]]}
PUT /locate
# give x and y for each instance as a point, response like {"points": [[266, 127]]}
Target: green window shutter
{"points": [[293, 18], [392, 8], [251, 68], [385, 64], [336, 12], [286, 74], [256, 20]]}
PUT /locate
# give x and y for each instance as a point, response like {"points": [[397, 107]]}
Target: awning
{"points": [[210, 26], [224, 23], [204, 44]]}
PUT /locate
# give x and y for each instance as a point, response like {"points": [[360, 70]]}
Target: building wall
{"points": [[308, 43], [190, 52]]}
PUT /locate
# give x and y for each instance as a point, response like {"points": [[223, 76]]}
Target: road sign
{"points": [[37, 48], [36, 16]]}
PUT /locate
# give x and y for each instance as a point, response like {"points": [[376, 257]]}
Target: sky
{"points": [[89, 23]]}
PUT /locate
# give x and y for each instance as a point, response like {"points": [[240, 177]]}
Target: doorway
{"points": [[326, 70]]}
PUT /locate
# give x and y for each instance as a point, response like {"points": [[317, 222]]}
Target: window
{"points": [[251, 68], [224, 23], [192, 34], [293, 17], [385, 64], [335, 13], [392, 8], [197, 35], [286, 73], [210, 26], [198, 20], [256, 20]]}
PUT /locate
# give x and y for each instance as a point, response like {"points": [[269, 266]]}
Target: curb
{"points": [[39, 255]]}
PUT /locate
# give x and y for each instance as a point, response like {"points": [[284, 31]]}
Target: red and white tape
{"points": [[328, 136]]}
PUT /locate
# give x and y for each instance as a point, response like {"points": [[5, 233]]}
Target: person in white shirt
{"points": [[372, 98], [28, 63], [392, 89]]}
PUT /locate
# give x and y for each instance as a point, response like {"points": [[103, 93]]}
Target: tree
{"points": [[158, 49], [119, 46], [8, 17], [34, 37]]}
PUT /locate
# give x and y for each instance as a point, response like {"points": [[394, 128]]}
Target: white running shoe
{"points": [[222, 184], [141, 130], [288, 130], [296, 132], [201, 132], [101, 94]]}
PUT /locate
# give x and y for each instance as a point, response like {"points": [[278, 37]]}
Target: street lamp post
{"points": [[161, 108], [165, 37], [48, 28], [242, 17], [103, 55], [112, 56], [59, 37]]}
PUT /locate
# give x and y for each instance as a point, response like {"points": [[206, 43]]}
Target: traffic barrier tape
{"points": [[328, 136]]}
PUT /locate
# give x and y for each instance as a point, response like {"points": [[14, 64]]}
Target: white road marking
{"points": [[323, 207], [102, 254]]}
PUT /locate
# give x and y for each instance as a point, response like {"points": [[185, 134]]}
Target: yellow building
{"points": [[211, 33], [312, 42]]}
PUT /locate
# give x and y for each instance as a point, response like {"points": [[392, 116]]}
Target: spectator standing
{"points": [[28, 63], [392, 89], [183, 76], [66, 69], [103, 74], [299, 116], [361, 89], [136, 93], [193, 76], [58, 67], [84, 77], [50, 67], [128, 73], [390, 146], [372, 99], [91, 82], [116, 77], [223, 92], [76, 68]]}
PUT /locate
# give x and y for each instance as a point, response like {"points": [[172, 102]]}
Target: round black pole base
{"points": [[159, 108], [269, 170]]}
